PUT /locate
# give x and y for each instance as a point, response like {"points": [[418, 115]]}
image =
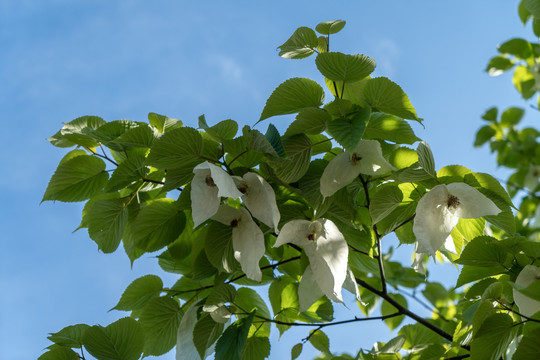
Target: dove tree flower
{"points": [[526, 277], [259, 197], [247, 237], [209, 184], [327, 252], [309, 290], [366, 159], [531, 178], [439, 211]]}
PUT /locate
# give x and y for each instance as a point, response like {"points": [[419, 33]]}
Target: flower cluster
{"points": [[209, 184]]}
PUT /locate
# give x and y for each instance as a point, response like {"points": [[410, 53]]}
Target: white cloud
{"points": [[386, 54]]}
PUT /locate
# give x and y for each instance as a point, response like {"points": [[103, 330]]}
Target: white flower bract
{"points": [[259, 197], [526, 277], [439, 211], [366, 159], [247, 237], [209, 184], [327, 252]]}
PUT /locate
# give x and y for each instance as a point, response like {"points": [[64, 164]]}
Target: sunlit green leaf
{"points": [[301, 44], [345, 68], [121, 340]]}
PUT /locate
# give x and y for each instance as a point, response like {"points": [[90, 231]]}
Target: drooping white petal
{"points": [[526, 277], [418, 264], [308, 290], [351, 286], [294, 232], [185, 348], [449, 245], [339, 172], [218, 312], [531, 179], [208, 185], [328, 256], [204, 199], [260, 199], [472, 203], [371, 160], [433, 221], [248, 239]]}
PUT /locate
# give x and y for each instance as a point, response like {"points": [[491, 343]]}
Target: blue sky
{"points": [[62, 59]]}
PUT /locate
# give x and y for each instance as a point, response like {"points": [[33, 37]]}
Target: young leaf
{"points": [[231, 344], [499, 64], [345, 68], [320, 341], [292, 96], [330, 27], [78, 131], [296, 351], [76, 179], [301, 44], [387, 309], [123, 339], [163, 123]]}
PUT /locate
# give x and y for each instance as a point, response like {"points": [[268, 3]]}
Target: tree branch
{"points": [[409, 313]]}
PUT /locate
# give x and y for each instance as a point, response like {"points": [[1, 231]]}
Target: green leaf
{"points": [[308, 121], [139, 293], [493, 338], [274, 138], [417, 336], [320, 341], [142, 136], [301, 44], [106, 220], [292, 96], [473, 273], [178, 146], [490, 114], [330, 27], [121, 340], [248, 300], [158, 224], [218, 246], [532, 291], [160, 319], [532, 6], [108, 132], [390, 128], [488, 182], [512, 116], [76, 179], [70, 336], [59, 353], [499, 64], [296, 351], [256, 348], [386, 199], [256, 141], [60, 141], [224, 130], [529, 346], [298, 151], [484, 134], [79, 131], [129, 171], [482, 251], [345, 68], [231, 344], [425, 158], [520, 48], [205, 333], [222, 293], [386, 96], [349, 130], [536, 26], [524, 81], [523, 13], [163, 123], [388, 309]]}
